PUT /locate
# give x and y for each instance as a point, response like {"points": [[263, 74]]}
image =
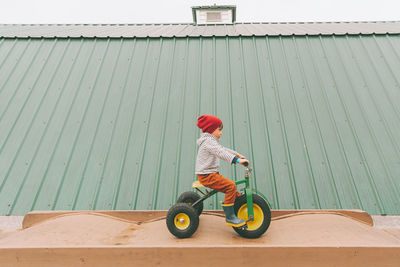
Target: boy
{"points": [[207, 165]]}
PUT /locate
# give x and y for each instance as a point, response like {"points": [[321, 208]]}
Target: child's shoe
{"points": [[231, 218]]}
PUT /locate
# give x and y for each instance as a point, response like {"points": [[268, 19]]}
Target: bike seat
{"points": [[197, 184]]}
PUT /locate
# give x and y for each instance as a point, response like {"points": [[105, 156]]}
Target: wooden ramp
{"points": [[140, 238]]}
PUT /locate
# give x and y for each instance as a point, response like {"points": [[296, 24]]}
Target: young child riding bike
{"points": [[207, 165]]}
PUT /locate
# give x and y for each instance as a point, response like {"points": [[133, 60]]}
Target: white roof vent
{"points": [[214, 14]]}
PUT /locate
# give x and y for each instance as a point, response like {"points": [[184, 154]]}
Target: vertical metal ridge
{"points": [[195, 137], [31, 123], [214, 106], [98, 124], [147, 126], [99, 186], [181, 116], [247, 109], [315, 117], [121, 170], [275, 195], [61, 132], [214, 72], [64, 124], [162, 139], [230, 91], [337, 132], [293, 186], [200, 64], [352, 127], [19, 114], [300, 127], [81, 124]]}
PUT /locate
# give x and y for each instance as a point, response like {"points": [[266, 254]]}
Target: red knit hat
{"points": [[208, 123]]}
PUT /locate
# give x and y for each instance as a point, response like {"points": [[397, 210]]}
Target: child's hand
{"points": [[240, 156], [244, 162]]}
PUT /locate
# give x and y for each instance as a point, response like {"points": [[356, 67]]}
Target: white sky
{"points": [[179, 11]]}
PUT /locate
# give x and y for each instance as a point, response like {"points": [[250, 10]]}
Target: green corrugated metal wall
{"points": [[111, 123]]}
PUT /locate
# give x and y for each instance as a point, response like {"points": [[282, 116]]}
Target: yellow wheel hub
{"points": [[182, 221], [258, 217]]}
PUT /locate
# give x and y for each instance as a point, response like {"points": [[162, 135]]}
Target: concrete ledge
{"points": [[10, 222], [208, 255], [386, 221], [139, 216]]}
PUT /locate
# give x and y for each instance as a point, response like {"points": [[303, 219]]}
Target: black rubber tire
{"points": [[258, 200], [187, 210], [189, 198]]}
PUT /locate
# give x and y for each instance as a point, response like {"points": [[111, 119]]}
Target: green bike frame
{"points": [[248, 192]]}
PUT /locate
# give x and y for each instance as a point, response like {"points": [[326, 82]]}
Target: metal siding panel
{"points": [[122, 166], [37, 107], [331, 131], [138, 91], [108, 145], [315, 118], [375, 106], [223, 105], [153, 144], [361, 121], [21, 111], [171, 123], [292, 130], [358, 128], [52, 191], [99, 113], [310, 152], [14, 94], [190, 109], [45, 165], [283, 176], [271, 119], [257, 118], [46, 117], [110, 123], [83, 120], [239, 120]]}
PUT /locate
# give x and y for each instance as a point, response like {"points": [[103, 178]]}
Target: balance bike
{"points": [[183, 218]]}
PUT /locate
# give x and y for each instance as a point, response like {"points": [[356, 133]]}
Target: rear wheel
{"points": [[262, 216], [190, 198], [182, 220]]}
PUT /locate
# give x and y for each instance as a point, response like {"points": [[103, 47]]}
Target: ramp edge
{"points": [[140, 216]]}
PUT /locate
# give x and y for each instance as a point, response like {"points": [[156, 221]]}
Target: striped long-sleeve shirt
{"points": [[210, 152]]}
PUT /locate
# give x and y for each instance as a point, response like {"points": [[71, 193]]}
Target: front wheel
{"points": [[262, 216]]}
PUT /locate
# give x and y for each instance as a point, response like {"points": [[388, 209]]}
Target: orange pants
{"points": [[221, 184]]}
